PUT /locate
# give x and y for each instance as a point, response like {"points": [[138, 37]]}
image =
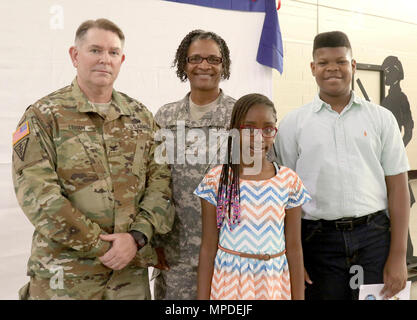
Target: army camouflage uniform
{"points": [[182, 244], [76, 176]]}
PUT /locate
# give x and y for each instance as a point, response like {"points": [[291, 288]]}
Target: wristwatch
{"points": [[140, 238]]}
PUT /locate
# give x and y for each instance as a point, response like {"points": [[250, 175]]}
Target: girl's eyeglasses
{"points": [[268, 132]]}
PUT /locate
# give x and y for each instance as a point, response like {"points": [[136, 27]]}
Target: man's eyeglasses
{"points": [[196, 59], [268, 132]]}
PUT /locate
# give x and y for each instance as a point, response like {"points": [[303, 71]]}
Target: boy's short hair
{"points": [[331, 39]]}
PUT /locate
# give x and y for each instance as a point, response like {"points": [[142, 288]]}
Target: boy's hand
{"points": [[395, 276]]}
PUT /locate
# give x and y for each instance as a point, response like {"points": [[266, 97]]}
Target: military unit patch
{"points": [[20, 148], [21, 132]]}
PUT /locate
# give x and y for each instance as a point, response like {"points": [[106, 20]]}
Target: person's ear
{"points": [[73, 52], [353, 63], [313, 68], [123, 57]]}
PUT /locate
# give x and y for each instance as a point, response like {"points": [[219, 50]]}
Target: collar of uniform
{"points": [[120, 104], [318, 104], [211, 118]]}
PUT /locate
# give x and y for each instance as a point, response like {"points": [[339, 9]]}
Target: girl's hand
{"points": [[307, 277]]}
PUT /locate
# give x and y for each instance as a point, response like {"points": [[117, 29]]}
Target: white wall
{"points": [[34, 61], [376, 29]]}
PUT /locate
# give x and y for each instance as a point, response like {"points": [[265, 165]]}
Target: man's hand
{"points": [[123, 250], [395, 276]]}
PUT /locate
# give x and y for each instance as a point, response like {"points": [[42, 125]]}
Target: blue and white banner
{"points": [[270, 51]]}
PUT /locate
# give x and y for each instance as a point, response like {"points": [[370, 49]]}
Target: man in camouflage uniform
{"points": [[85, 176], [203, 59]]}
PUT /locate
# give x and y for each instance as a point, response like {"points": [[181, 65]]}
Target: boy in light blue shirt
{"points": [[350, 155]]}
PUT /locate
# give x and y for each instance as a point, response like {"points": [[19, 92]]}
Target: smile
{"points": [[102, 71], [203, 75]]}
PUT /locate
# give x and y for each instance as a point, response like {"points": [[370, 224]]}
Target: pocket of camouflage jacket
{"points": [[141, 157], [78, 154]]}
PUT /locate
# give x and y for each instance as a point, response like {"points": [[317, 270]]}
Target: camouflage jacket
{"points": [[182, 244], [77, 175]]}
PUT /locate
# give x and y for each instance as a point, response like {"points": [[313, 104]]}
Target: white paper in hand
{"points": [[371, 292]]}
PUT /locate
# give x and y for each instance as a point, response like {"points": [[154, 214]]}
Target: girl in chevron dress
{"points": [[251, 215]]}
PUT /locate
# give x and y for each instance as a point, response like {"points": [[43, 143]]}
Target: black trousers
{"points": [[338, 261]]}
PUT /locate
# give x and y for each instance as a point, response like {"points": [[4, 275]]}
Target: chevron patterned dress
{"points": [[261, 230]]}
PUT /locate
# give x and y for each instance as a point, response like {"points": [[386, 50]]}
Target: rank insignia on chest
{"points": [[21, 132]]}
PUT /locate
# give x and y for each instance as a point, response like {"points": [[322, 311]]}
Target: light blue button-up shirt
{"points": [[343, 158]]}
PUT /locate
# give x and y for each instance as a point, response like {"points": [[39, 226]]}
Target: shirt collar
{"points": [[118, 102], [213, 118], [318, 104]]}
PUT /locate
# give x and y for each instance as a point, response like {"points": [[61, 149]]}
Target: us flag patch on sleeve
{"points": [[21, 132]]}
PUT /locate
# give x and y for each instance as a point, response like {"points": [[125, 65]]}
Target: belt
{"points": [[346, 224], [264, 256]]}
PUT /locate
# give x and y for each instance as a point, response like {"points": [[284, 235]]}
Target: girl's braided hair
{"points": [[228, 195]]}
